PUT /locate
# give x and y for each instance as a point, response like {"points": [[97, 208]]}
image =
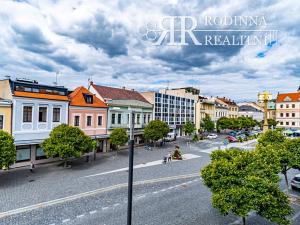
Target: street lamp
{"points": [[130, 167], [264, 97]]}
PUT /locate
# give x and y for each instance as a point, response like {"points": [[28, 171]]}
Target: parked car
{"points": [[231, 139], [232, 133], [170, 137], [243, 136], [212, 136], [295, 183]]}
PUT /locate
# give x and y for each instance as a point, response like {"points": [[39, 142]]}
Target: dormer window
{"points": [[88, 99]]}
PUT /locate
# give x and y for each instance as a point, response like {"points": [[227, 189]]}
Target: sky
{"points": [[104, 40]]}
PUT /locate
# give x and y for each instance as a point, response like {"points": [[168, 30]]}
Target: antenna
{"points": [[56, 74]]}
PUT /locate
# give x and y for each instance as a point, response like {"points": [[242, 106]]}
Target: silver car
{"points": [[295, 183]]}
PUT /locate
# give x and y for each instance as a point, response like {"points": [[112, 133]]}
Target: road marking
{"points": [[80, 216], [296, 215], [65, 220], [105, 208], [93, 212], [93, 192], [117, 204], [140, 196], [52, 224], [153, 163], [155, 192]]}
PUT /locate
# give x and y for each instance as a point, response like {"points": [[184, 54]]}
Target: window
{"points": [[293, 114], [293, 105], [56, 114], [89, 99], [113, 118], [149, 118], [119, 118], [281, 123], [1, 122], [99, 120], [287, 106], [145, 118], [287, 123], [281, 114], [293, 123], [42, 114], [89, 121], [76, 121], [138, 118], [287, 114], [23, 153], [27, 114], [39, 153]]}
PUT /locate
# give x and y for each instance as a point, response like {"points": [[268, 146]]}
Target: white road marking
{"points": [[296, 215], [141, 196], [153, 163], [80, 216], [155, 192], [93, 212], [90, 193], [117, 204], [52, 224], [65, 220], [105, 208]]}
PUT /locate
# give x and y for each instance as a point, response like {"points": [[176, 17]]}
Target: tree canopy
{"points": [[207, 124], [242, 122], [156, 130], [241, 182], [67, 141], [7, 150], [189, 128], [118, 137]]}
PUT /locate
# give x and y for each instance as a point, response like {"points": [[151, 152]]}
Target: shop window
{"points": [[39, 153], [23, 153]]}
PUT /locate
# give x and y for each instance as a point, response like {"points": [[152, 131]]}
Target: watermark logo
{"points": [[213, 31]]}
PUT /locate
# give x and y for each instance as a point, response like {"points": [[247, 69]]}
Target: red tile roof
{"points": [[227, 101], [77, 98], [118, 93], [294, 97], [40, 95]]}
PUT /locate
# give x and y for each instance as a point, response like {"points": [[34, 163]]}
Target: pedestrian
{"points": [[169, 157], [31, 167], [165, 158]]}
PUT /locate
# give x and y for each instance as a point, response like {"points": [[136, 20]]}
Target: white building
{"points": [[250, 111]]}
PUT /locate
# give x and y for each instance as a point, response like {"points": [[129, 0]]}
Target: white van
{"points": [[171, 137]]}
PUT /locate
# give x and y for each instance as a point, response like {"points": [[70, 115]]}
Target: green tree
{"points": [[189, 128], [241, 182], [271, 137], [207, 124], [118, 137], [7, 150], [272, 123], [67, 141], [224, 123], [156, 130]]}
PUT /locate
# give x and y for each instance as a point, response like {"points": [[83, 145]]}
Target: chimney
{"points": [[90, 84]]}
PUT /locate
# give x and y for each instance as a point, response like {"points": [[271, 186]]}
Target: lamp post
{"points": [[130, 168], [264, 97], [131, 153]]}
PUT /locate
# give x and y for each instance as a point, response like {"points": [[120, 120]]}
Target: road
{"points": [[96, 192]]}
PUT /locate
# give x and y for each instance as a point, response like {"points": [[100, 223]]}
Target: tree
{"points": [[241, 182], [272, 123], [156, 130], [287, 150], [207, 124], [67, 141], [7, 150], [118, 137], [189, 128], [224, 123]]}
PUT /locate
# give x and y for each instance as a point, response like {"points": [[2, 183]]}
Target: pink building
{"points": [[89, 113]]}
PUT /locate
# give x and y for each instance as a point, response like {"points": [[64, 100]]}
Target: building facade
{"points": [[221, 109], [89, 113], [271, 107], [121, 102], [249, 111], [36, 110], [173, 110], [205, 107], [5, 115], [233, 109], [288, 110]]}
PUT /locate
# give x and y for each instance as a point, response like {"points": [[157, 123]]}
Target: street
{"points": [[95, 193]]}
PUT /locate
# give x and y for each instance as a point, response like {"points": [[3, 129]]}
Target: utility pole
{"points": [[130, 169]]}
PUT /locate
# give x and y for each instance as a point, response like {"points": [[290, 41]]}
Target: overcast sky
{"points": [[103, 39]]}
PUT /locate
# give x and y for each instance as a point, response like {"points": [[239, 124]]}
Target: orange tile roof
{"points": [[77, 98], [40, 95], [294, 97]]}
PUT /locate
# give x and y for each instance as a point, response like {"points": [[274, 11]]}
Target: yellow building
{"points": [[5, 115], [205, 106]]}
